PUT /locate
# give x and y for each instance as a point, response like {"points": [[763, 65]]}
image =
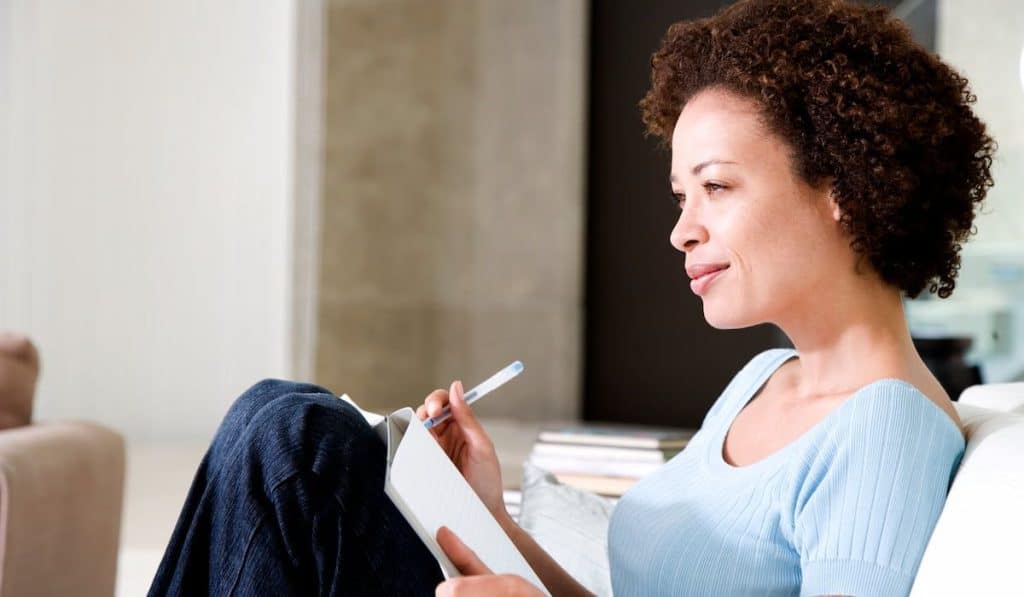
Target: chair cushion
{"points": [[975, 545], [61, 491]]}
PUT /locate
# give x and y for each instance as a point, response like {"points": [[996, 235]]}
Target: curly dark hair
{"points": [[858, 102]]}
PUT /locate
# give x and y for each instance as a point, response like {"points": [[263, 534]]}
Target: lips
{"points": [[703, 275], [703, 269]]}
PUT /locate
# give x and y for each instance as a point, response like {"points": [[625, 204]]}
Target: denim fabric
{"points": [[289, 500]]}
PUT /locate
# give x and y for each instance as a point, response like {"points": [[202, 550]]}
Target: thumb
{"points": [[463, 415], [463, 557]]}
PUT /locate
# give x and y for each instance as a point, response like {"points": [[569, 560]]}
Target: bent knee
{"points": [[313, 409], [266, 391], [317, 429]]}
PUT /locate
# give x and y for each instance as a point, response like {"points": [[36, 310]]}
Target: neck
{"points": [[847, 336]]}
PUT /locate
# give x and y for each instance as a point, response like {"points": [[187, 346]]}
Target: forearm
{"points": [[557, 581]]}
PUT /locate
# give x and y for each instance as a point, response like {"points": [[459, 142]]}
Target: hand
{"points": [[464, 440], [477, 579]]}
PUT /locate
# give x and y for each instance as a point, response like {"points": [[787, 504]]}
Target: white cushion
{"points": [[975, 547], [570, 524], [1002, 397]]}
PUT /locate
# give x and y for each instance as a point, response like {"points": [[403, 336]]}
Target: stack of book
{"points": [[606, 459]]}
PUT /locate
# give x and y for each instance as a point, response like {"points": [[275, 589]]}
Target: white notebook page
{"points": [[431, 493]]}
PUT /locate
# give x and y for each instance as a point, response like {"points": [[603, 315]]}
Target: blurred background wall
{"points": [[984, 41], [146, 204], [199, 195], [453, 201]]}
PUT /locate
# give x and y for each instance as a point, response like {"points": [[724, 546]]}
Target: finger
{"points": [[423, 415], [463, 415], [462, 556], [435, 402], [475, 585], [446, 589], [441, 429]]}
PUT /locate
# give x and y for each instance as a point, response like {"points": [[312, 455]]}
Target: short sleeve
{"points": [[872, 495]]}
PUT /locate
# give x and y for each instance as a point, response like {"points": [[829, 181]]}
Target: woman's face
{"points": [[746, 210]]}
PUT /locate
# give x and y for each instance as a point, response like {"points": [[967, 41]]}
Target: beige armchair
{"points": [[61, 488]]}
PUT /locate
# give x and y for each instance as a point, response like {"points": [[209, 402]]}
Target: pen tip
{"points": [[517, 366]]}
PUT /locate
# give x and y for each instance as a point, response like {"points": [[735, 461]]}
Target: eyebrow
{"points": [[696, 169]]}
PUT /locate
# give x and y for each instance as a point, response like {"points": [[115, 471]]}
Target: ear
{"points": [[833, 205]]}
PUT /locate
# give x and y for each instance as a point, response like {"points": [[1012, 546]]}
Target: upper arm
{"points": [[871, 499]]}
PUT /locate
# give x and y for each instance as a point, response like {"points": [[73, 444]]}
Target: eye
{"points": [[678, 200], [713, 187]]}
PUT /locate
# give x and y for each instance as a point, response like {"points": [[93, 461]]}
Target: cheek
{"points": [[773, 256], [753, 241], [793, 260]]}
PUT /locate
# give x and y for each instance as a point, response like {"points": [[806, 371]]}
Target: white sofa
{"points": [[977, 545]]}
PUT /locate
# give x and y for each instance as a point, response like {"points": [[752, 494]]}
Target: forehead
{"points": [[717, 124]]}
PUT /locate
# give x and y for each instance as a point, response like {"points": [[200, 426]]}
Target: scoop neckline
{"points": [[717, 460]]}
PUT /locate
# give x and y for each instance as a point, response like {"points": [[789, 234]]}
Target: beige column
{"points": [[452, 228]]}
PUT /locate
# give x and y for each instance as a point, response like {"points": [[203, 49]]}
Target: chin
{"points": [[722, 318]]}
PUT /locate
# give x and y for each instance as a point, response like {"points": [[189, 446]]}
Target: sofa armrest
{"points": [[61, 492]]}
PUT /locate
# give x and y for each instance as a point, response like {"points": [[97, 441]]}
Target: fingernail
{"points": [[458, 386]]}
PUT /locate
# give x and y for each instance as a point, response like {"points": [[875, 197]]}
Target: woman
{"points": [[824, 166]]}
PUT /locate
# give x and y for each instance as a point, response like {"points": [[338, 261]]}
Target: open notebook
{"points": [[430, 493]]}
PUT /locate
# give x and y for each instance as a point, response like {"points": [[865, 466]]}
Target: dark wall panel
{"points": [[649, 355]]}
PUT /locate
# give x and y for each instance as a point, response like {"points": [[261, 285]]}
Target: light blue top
{"points": [[845, 509]]}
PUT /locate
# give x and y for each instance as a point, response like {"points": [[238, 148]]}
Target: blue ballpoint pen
{"points": [[492, 383]]}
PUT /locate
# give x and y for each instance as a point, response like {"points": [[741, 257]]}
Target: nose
{"points": [[688, 231]]}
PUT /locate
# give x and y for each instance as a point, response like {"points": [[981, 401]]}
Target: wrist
{"points": [[505, 521]]}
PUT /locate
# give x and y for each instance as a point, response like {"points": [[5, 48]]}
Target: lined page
{"points": [[431, 493]]}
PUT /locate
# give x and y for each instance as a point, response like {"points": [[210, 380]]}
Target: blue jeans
{"points": [[289, 500]]}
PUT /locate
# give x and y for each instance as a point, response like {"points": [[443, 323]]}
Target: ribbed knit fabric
{"points": [[845, 509]]}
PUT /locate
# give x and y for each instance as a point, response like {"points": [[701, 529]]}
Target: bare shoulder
{"points": [[930, 387], [918, 375]]}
